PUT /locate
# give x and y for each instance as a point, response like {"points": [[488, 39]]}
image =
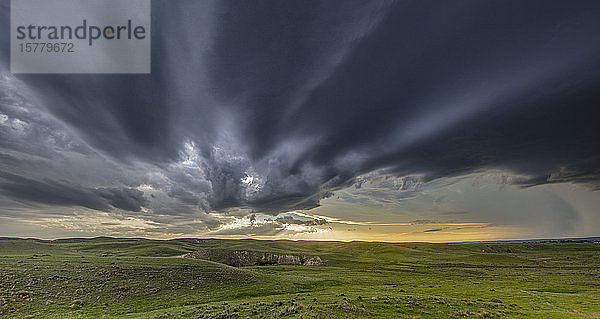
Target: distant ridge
{"points": [[540, 240], [507, 241]]}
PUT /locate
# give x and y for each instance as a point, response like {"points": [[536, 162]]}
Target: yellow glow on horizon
{"points": [[408, 233]]}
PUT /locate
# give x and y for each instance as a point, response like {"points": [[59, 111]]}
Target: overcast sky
{"points": [[371, 120]]}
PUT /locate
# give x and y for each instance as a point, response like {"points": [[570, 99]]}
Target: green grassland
{"points": [[140, 278]]}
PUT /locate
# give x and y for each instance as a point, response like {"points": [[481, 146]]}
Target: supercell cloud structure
{"points": [[271, 106]]}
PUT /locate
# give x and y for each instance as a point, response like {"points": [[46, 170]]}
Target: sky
{"points": [[324, 120]]}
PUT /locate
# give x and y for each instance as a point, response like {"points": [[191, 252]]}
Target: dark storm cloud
{"points": [[294, 221], [56, 193], [272, 105], [441, 89], [126, 199]]}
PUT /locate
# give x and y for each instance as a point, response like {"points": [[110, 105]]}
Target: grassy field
{"points": [[139, 278]]}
